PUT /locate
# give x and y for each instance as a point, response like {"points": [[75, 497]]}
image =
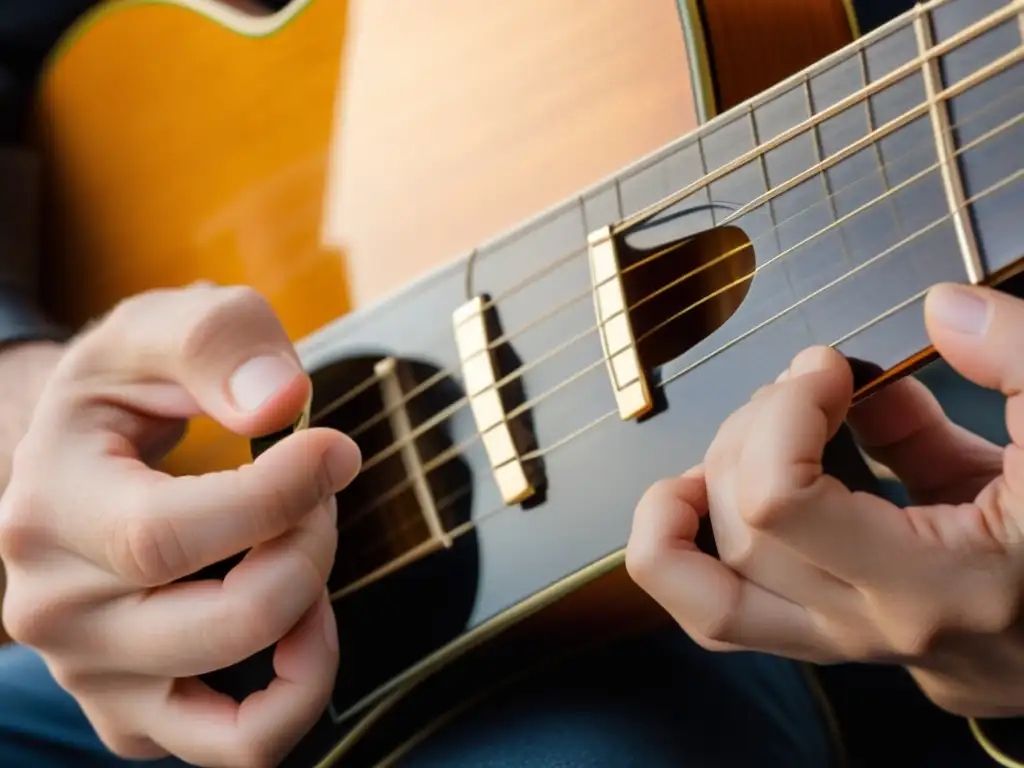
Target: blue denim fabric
{"points": [[656, 700]]}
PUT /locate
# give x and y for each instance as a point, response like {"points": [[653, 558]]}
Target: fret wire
{"points": [[819, 156], [509, 336], [924, 230], [860, 209], [439, 417], [857, 48], [905, 70], [950, 171], [763, 162], [869, 111], [346, 397], [736, 340], [523, 369], [980, 75]]}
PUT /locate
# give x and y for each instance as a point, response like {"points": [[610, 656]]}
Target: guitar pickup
{"points": [[505, 440], [629, 382]]}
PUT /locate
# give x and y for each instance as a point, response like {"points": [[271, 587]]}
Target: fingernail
{"points": [[257, 380], [809, 360], [959, 309], [330, 628]]}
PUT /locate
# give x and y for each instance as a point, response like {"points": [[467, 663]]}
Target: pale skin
{"points": [[93, 536], [812, 571]]}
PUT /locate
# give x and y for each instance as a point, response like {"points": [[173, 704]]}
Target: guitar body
{"points": [[333, 153]]}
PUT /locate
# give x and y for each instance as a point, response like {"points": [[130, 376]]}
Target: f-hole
{"points": [[681, 291]]}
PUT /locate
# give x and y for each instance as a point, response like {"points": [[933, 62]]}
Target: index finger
{"points": [[150, 529], [784, 491]]}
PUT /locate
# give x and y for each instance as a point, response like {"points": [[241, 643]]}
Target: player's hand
{"points": [[94, 537], [810, 570]]}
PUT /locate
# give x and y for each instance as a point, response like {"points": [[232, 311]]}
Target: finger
{"points": [[204, 727], [720, 609], [191, 628], [978, 331], [110, 730], [784, 492], [159, 529], [224, 346], [904, 427]]}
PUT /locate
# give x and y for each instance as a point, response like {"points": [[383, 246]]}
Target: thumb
{"points": [[224, 346], [980, 333]]}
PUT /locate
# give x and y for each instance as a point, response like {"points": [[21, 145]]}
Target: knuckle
{"points": [[145, 550], [740, 552], [227, 306], [69, 677], [277, 511], [638, 562], [22, 531], [123, 743], [246, 626], [29, 619], [643, 551], [124, 316], [916, 638], [763, 505], [998, 613], [719, 625]]}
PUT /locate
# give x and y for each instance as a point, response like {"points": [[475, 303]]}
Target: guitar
{"points": [[657, 206]]}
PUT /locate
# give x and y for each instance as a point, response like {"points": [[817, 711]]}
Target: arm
{"points": [[29, 344]]}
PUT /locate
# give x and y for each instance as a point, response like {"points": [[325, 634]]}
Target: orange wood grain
{"points": [[180, 150], [359, 144], [753, 44], [464, 118]]}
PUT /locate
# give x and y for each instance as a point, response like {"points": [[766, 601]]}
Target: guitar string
{"points": [[857, 98], [456, 450], [915, 65], [596, 364], [465, 527], [521, 370]]}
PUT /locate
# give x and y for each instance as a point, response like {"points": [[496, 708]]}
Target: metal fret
{"points": [[869, 112], [948, 164], [819, 155], [762, 161], [892, 126], [933, 53]]}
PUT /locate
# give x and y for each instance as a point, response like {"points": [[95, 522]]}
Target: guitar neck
{"points": [[817, 213], [599, 346], [843, 194]]}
